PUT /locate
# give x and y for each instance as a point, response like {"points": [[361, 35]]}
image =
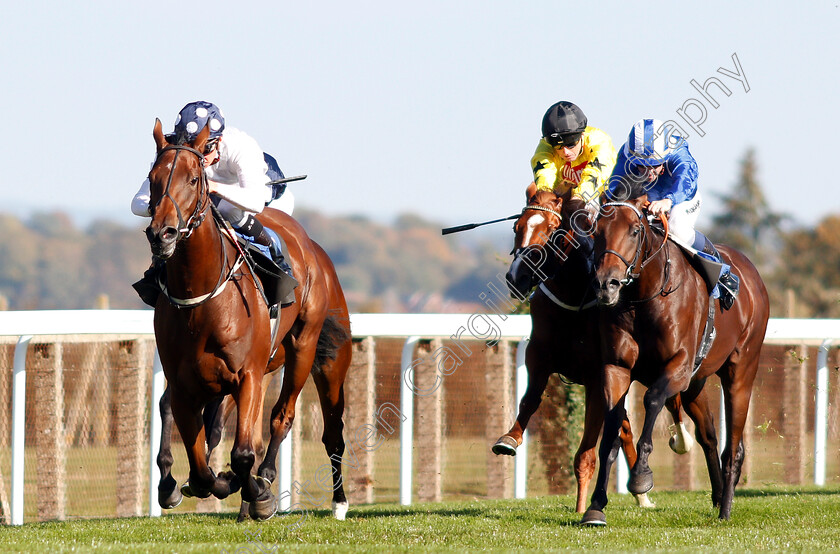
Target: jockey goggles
{"points": [[569, 140]]}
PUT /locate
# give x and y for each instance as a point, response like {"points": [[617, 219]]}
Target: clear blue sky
{"points": [[430, 107]]}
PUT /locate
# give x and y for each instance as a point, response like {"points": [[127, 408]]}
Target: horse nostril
{"points": [[165, 235], [169, 234], [613, 284]]}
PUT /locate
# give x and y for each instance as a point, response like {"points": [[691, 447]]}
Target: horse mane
{"points": [[625, 188]]}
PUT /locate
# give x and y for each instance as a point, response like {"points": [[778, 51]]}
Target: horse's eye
{"points": [[193, 181], [636, 230]]}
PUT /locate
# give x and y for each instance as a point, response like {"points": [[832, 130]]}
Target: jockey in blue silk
{"points": [[659, 157]]}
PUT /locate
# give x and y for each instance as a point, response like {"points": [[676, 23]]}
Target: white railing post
{"points": [[18, 428], [158, 386], [821, 413], [622, 473], [407, 423], [520, 468]]}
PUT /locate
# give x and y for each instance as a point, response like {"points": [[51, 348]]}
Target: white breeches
{"points": [[683, 217]]}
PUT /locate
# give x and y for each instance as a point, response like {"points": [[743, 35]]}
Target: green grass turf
{"points": [[772, 518]]}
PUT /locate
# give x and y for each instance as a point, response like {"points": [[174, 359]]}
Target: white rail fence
{"points": [[23, 326]]}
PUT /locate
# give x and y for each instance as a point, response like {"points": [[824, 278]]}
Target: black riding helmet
{"points": [[563, 124]]}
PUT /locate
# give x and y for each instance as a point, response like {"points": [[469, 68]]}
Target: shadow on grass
{"points": [[758, 493]]}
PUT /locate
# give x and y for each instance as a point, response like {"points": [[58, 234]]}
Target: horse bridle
{"points": [[630, 274], [538, 208], [185, 228]]}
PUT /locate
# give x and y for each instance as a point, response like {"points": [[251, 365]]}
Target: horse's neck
{"points": [[573, 278], [198, 261]]}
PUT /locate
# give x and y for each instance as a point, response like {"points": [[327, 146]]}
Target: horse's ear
{"points": [[160, 139], [530, 191], [201, 140]]}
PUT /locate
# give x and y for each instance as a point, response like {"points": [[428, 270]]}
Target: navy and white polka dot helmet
{"points": [[651, 143], [195, 115]]}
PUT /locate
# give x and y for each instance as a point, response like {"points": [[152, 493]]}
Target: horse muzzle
{"points": [[607, 290], [162, 241]]}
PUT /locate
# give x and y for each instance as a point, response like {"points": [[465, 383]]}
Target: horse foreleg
{"points": [[214, 414], [585, 456], [256, 491], [641, 476], [259, 445], [538, 375], [202, 481], [168, 494], [617, 382]]}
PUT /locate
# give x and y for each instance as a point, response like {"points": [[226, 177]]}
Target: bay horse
{"points": [[553, 251], [213, 333], [655, 306]]}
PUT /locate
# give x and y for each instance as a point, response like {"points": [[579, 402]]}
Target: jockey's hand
{"points": [[211, 187], [659, 208]]}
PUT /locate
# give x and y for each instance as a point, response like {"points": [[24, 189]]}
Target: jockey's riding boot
{"points": [[269, 238], [728, 283], [148, 288]]}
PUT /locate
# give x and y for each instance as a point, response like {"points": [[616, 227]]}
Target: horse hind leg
{"points": [[328, 372], [697, 406], [736, 404], [680, 441]]}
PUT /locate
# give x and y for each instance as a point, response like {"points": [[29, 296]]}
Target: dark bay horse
{"points": [[214, 338], [655, 308], [553, 250]]}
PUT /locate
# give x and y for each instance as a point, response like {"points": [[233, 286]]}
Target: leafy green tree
{"points": [[747, 221], [812, 257]]}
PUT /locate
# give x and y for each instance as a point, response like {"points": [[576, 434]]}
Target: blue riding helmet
{"points": [[195, 115], [651, 143]]}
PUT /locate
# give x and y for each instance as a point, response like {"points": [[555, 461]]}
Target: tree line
{"points": [[46, 262]]}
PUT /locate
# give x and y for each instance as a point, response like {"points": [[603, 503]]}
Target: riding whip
{"points": [[286, 180], [468, 226]]}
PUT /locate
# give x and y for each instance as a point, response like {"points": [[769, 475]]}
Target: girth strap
{"points": [[709, 335]]}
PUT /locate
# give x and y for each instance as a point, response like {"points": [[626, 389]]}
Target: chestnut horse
{"points": [[655, 307], [564, 325], [213, 333]]}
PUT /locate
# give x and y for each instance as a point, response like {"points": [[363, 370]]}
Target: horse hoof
{"points": [[187, 491], [594, 518], [505, 446], [680, 441], [339, 510], [243, 512], [261, 510], [232, 480], [643, 501], [172, 500], [640, 483]]}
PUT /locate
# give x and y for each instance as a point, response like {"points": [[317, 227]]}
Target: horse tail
{"points": [[332, 338]]}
